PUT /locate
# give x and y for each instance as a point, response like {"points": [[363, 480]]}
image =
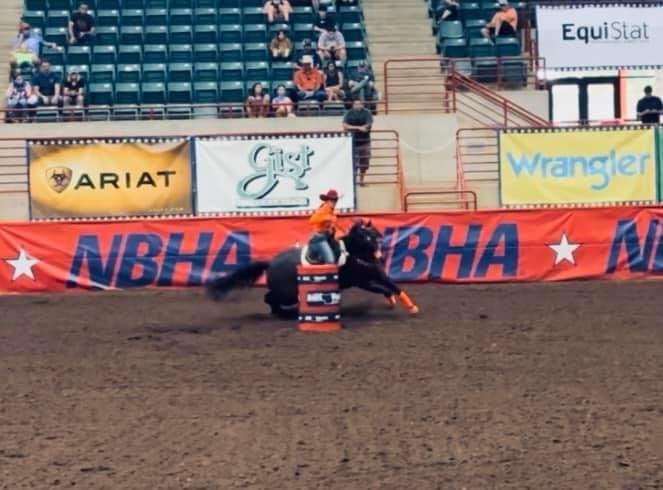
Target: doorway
{"points": [[584, 100]]}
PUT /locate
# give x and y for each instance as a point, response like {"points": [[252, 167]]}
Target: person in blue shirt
{"points": [[46, 85], [27, 47]]}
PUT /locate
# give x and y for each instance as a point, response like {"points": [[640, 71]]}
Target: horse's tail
{"points": [[244, 276]]}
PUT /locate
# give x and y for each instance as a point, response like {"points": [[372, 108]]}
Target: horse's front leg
{"points": [[395, 292]]}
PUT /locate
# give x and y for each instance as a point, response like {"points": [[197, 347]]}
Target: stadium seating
{"points": [[180, 51]]}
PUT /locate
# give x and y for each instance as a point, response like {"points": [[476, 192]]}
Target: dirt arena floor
{"points": [[554, 386]]}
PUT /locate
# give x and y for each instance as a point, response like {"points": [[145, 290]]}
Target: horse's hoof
{"points": [[414, 310], [391, 302]]}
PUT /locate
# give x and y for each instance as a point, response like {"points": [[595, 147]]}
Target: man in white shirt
{"points": [[331, 45]]}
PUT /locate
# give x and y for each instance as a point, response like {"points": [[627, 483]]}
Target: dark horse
{"points": [[361, 268]]}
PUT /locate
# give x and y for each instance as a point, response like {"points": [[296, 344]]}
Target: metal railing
{"points": [[477, 155], [432, 199]]}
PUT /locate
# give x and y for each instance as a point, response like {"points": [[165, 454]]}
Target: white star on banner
{"points": [[564, 250], [22, 265]]}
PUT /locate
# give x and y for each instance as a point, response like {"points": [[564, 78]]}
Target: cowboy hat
{"points": [[331, 195]]}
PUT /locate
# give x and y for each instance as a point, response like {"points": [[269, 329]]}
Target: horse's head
{"points": [[364, 241]]}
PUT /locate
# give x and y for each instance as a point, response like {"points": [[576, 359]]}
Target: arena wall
{"points": [[535, 101]]}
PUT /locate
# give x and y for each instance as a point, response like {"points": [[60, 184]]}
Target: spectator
{"points": [[309, 50], [309, 81], [282, 104], [73, 92], [257, 103], [362, 82], [277, 11], [20, 96], [81, 26], [359, 121], [503, 23], [323, 20], [447, 11], [46, 85], [333, 82], [27, 46], [331, 45], [649, 108], [281, 46]]}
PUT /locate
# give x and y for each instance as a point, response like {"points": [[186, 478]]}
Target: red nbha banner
{"points": [[491, 246]]}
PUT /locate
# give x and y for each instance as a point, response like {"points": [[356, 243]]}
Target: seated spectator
{"points": [[503, 23], [331, 45], [323, 20], [333, 82], [257, 103], [282, 104], [281, 47], [309, 50], [361, 83], [20, 96], [46, 85], [277, 11], [309, 81], [73, 91], [27, 46], [447, 11], [81, 26]]}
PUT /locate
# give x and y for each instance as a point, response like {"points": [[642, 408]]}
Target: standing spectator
{"points": [[359, 121], [362, 82], [333, 82], [46, 85], [331, 45], [309, 81], [503, 23], [20, 96], [447, 11], [73, 91], [257, 103], [27, 47], [322, 20], [649, 108], [81, 26], [282, 104], [309, 50], [281, 47], [277, 11]]}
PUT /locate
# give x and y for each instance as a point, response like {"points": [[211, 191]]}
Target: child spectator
{"points": [[333, 82], [281, 47], [257, 103], [282, 104]]}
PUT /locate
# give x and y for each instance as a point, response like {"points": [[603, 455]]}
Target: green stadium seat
{"points": [[283, 70], [36, 5], [130, 54], [186, 4], [349, 15], [356, 50], [470, 10], [82, 70], [46, 115], [181, 17], [57, 35], [102, 74], [254, 33], [57, 18], [203, 16], [57, 69], [514, 72], [180, 53], [331, 109], [108, 36], [205, 92], [131, 34], [132, 17], [482, 47], [156, 17], [303, 31], [256, 52], [232, 91], [450, 30], [230, 33], [152, 112], [127, 93], [107, 18], [179, 93], [231, 71], [98, 113], [253, 15], [206, 33], [178, 112], [156, 35], [237, 3], [206, 72], [104, 55], [205, 53], [128, 74], [125, 113], [473, 27], [55, 56], [153, 93], [507, 46], [180, 72], [36, 18], [62, 4], [159, 4], [154, 73], [301, 15], [205, 113], [455, 48], [230, 16], [156, 53], [353, 32], [100, 94], [133, 4], [79, 55], [257, 70], [181, 34], [231, 52], [488, 9], [276, 27]]}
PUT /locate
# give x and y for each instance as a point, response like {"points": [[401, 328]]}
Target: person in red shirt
{"points": [[325, 227], [309, 81]]}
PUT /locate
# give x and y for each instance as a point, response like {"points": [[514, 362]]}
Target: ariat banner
{"points": [[94, 178], [486, 246], [600, 36], [577, 166], [268, 174]]}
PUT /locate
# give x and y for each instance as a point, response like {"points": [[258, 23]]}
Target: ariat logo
{"points": [[59, 178]]}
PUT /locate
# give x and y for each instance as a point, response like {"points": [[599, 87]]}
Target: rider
{"points": [[325, 227]]}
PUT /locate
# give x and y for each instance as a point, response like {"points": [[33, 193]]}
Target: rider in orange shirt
{"points": [[325, 227]]}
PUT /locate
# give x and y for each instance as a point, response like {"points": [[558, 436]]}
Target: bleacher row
{"points": [[181, 51]]}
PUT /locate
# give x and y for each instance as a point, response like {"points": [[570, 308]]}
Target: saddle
{"points": [[340, 253]]}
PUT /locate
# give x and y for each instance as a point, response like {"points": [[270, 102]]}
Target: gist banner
{"points": [[278, 173], [576, 166], [600, 36], [90, 178], [491, 246]]}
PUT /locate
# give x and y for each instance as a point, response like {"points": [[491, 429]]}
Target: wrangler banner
{"points": [[577, 166], [90, 178], [492, 246]]}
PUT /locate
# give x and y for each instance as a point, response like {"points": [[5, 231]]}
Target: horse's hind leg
{"points": [[286, 312]]}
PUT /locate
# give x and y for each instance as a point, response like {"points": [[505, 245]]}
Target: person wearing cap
{"points": [[361, 82], [331, 45], [27, 46], [309, 81], [20, 96], [325, 227], [307, 49], [503, 23]]}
